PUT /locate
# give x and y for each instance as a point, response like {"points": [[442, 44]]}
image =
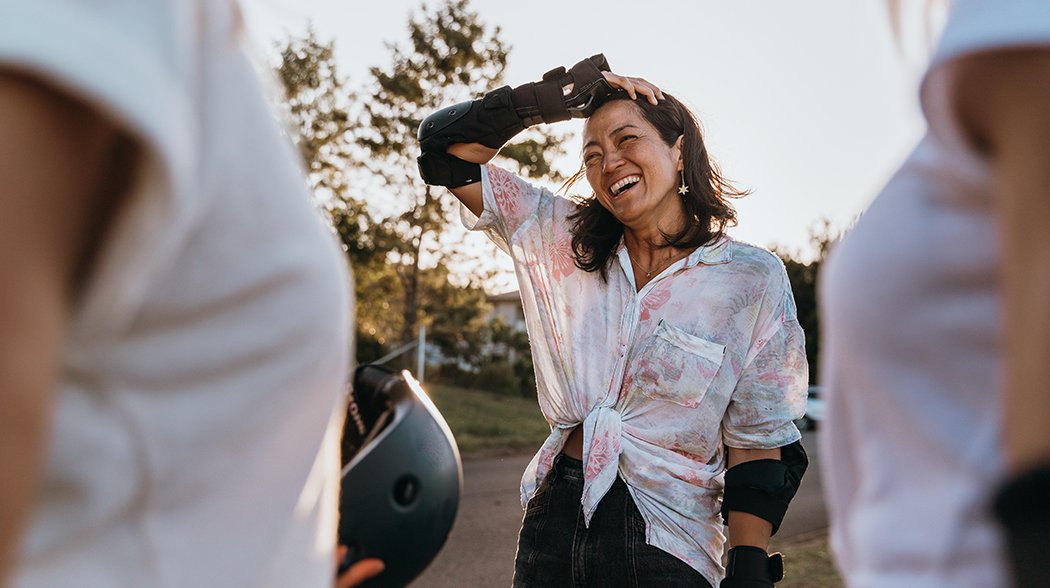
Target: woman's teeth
{"points": [[624, 184]]}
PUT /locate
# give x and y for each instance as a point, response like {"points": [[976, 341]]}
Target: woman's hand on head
{"points": [[635, 86]]}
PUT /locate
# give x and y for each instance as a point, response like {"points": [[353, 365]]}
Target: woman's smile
{"points": [[632, 170], [622, 186]]}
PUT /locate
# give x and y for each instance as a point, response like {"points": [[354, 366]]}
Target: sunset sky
{"points": [[810, 104]]}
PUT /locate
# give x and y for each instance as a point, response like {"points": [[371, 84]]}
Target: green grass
{"points": [[807, 564], [487, 424]]}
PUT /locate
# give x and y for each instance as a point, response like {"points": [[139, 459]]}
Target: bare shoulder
{"points": [[57, 221], [1004, 94]]}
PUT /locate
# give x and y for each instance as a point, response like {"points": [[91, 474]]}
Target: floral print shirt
{"points": [[708, 354]]}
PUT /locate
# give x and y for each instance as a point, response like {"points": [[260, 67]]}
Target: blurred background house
{"points": [[507, 306]]}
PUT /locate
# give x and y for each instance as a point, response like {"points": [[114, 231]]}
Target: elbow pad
{"points": [[765, 487], [440, 168], [495, 118]]}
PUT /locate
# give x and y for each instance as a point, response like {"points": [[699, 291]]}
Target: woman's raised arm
{"points": [[470, 194], [456, 139]]}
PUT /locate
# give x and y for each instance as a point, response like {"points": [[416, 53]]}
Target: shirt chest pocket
{"points": [[675, 366]]}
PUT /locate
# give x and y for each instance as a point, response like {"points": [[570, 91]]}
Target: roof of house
{"points": [[511, 296]]}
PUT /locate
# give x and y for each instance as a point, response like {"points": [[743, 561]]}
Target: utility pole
{"points": [[421, 352]]}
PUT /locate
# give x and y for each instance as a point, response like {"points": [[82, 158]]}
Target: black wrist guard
{"points": [[1022, 507], [752, 567], [495, 118], [562, 94], [765, 487]]}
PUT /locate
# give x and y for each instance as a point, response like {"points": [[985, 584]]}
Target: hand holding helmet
{"points": [[359, 571], [402, 479]]}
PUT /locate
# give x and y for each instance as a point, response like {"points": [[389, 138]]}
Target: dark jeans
{"points": [[555, 548]]}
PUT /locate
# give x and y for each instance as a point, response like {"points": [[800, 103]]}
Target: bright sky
{"points": [[808, 103]]}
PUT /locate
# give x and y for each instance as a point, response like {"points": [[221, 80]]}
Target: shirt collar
{"points": [[721, 251]]}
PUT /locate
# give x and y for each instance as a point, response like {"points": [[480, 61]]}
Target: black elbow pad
{"points": [[490, 120], [438, 168], [765, 487]]}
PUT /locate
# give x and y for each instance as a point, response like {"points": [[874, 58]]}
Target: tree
{"points": [[349, 139], [458, 334], [451, 57], [319, 108], [804, 277]]}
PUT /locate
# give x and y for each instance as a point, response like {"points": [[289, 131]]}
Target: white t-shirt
{"points": [[912, 346], [195, 437], [707, 354]]}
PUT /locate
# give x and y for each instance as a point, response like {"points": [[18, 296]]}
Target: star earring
{"points": [[683, 189]]}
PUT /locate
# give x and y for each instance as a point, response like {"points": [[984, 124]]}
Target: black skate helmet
{"points": [[402, 476]]}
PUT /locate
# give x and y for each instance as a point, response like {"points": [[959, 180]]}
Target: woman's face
{"points": [[633, 172]]}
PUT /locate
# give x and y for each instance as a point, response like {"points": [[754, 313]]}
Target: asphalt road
{"points": [[480, 549]]}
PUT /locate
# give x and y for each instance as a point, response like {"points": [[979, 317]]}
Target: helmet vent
{"points": [[406, 490]]}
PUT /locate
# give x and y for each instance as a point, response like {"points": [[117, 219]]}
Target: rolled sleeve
{"points": [[771, 391], [509, 203]]}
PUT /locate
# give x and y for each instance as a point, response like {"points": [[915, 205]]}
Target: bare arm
{"points": [[1004, 101], [744, 527], [54, 158]]}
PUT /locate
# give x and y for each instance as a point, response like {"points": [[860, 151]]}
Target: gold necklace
{"points": [[652, 269]]}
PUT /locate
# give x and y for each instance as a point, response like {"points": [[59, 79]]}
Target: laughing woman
{"points": [[666, 353]]}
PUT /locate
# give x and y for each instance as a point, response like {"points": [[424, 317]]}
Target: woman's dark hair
{"points": [[596, 232]]}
